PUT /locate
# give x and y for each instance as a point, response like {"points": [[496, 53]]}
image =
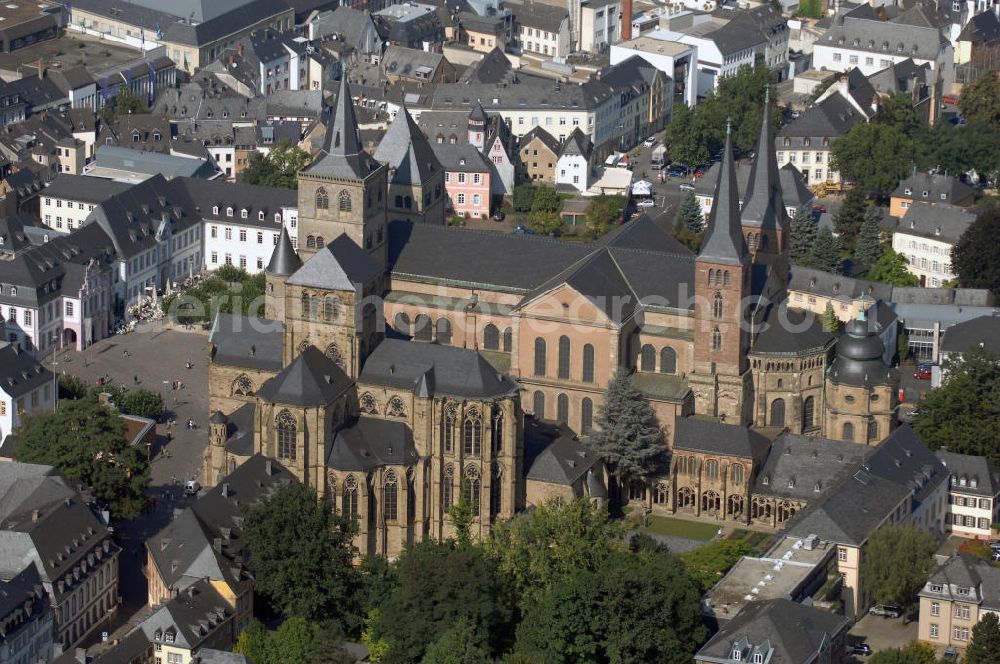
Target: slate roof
{"points": [[983, 28], [13, 237], [936, 185], [563, 461], [941, 222], [195, 615], [492, 69], [370, 442], [406, 151], [577, 143], [208, 194], [22, 599], [899, 77], [723, 241], [28, 486], [404, 61], [312, 379], [456, 157], [982, 332], [429, 369], [83, 189], [832, 117], [340, 265], [836, 286], [796, 632], [885, 37], [547, 139], [859, 358], [241, 341], [793, 189], [284, 261], [778, 337], [805, 467], [343, 155], [701, 435], [969, 572], [539, 15], [20, 374], [240, 430], [967, 470]]}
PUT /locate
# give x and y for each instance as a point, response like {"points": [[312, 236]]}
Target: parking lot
{"points": [[882, 633]]}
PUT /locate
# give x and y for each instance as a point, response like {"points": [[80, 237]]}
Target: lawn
{"points": [[663, 525]]}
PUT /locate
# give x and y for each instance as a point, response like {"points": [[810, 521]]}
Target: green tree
{"points": [[546, 199], [634, 607], [440, 585], [524, 196], [913, 653], [256, 643], [980, 101], [627, 438], [72, 387], [142, 403], [896, 561], [229, 290], [958, 149], [849, 218], [461, 518], [810, 9], [963, 414], [829, 319], [826, 252], [603, 212], [546, 223], [86, 441], [709, 563], [897, 110], [461, 644], [890, 268], [984, 648], [875, 156], [975, 257], [803, 231], [551, 541], [689, 216], [868, 248], [124, 103], [302, 554], [377, 580], [279, 168], [690, 240]]}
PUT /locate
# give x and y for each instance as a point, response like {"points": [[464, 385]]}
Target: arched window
{"points": [[320, 243], [538, 404], [586, 416], [423, 329], [777, 413], [314, 306], [350, 503], [395, 408], [491, 337], [322, 199], [448, 428], [564, 349], [647, 358], [390, 497], [310, 242], [711, 276], [444, 331], [847, 432], [402, 324], [539, 356], [330, 308], [243, 386], [808, 409], [470, 489], [344, 200], [873, 431], [562, 408], [717, 306], [507, 340], [306, 306], [588, 363], [446, 485], [285, 425], [725, 279], [716, 339], [661, 494], [334, 354], [496, 490], [737, 469], [472, 433], [712, 469], [368, 404], [668, 360], [498, 432]]}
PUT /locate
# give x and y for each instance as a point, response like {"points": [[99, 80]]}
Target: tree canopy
{"points": [[230, 290], [975, 257], [141, 403], [984, 648], [803, 230], [296, 641], [279, 168], [890, 268], [849, 218], [874, 155], [826, 254], [124, 103], [896, 562], [963, 414], [980, 100], [868, 247], [86, 441], [915, 652], [604, 212], [302, 554]]}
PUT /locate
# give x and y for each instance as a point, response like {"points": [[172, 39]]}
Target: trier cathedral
{"points": [[403, 364]]}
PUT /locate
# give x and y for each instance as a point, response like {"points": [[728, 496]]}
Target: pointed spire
{"points": [[407, 152], [284, 261], [343, 154], [724, 237], [763, 204]]}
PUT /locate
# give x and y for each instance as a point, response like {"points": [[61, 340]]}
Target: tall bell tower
{"points": [[764, 220]]}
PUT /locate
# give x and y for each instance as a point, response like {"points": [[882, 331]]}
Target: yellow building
{"points": [[956, 596]]}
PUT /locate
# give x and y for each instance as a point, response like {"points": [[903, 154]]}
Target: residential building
{"points": [[541, 30], [973, 494], [575, 164], [538, 153], [811, 290], [413, 25], [930, 189], [26, 387], [806, 141], [69, 199], [927, 313], [466, 179], [27, 617], [977, 46], [778, 630], [198, 617], [964, 337], [599, 25], [400, 63], [482, 33], [926, 235], [353, 26], [194, 32], [645, 98], [772, 26], [794, 192], [46, 524], [956, 596], [676, 60]]}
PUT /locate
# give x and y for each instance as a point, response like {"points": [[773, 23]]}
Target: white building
{"points": [[26, 387], [599, 25], [926, 235], [542, 30], [973, 494], [675, 59], [69, 199], [574, 166]]}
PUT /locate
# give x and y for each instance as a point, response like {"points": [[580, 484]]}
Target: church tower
{"points": [[284, 262], [721, 381], [343, 190], [477, 126], [764, 220]]}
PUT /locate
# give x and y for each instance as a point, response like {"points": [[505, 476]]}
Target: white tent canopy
{"points": [[642, 188]]}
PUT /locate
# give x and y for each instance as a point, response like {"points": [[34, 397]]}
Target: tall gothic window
{"points": [[848, 431], [446, 485], [647, 358], [668, 360], [498, 432], [712, 469], [322, 199], [390, 497], [286, 435], [586, 415], [717, 306], [496, 490], [471, 488], [873, 431], [716, 339], [443, 335], [350, 502], [330, 307], [725, 279], [344, 201], [423, 328], [564, 348], [538, 405], [539, 356], [808, 407], [491, 337], [562, 408], [448, 428], [306, 306], [508, 340], [588, 363], [473, 433], [737, 473], [402, 324]]}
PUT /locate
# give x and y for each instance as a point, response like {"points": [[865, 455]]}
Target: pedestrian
{"points": [[188, 365], [135, 379]]}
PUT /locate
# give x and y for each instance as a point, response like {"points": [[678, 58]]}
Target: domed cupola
{"points": [[859, 354]]}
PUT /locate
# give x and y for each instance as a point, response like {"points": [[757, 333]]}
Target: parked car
{"points": [[886, 610], [819, 208], [191, 488], [950, 653], [498, 215], [646, 202], [677, 170], [922, 374], [686, 186], [649, 142], [861, 649], [524, 230], [995, 545]]}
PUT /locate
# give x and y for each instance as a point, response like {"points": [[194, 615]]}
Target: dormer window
{"points": [[229, 211], [244, 212], [13, 290], [758, 658], [936, 587], [962, 481], [973, 483], [215, 209], [961, 591], [944, 197], [737, 655], [157, 135], [926, 193], [260, 215], [908, 191]]}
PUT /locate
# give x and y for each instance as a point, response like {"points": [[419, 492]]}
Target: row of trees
{"points": [[229, 290], [544, 204]]}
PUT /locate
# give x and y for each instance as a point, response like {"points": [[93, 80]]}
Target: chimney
{"points": [[267, 467], [225, 489], [626, 20], [34, 516], [217, 545]]}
